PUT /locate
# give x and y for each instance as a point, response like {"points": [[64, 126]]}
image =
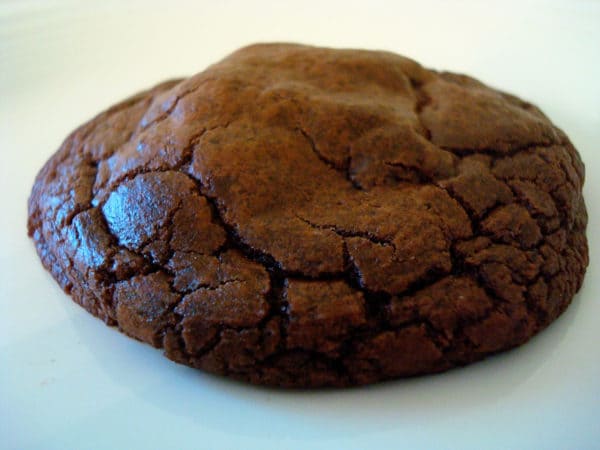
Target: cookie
{"points": [[302, 217]]}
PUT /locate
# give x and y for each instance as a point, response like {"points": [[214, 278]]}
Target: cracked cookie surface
{"points": [[304, 217]]}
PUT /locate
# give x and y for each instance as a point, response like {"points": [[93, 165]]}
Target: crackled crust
{"points": [[301, 216]]}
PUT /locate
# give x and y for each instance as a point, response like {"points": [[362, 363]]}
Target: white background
{"points": [[67, 381]]}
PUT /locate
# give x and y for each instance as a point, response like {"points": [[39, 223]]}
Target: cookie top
{"points": [[304, 216]]}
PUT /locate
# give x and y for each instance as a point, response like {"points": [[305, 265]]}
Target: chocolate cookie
{"points": [[302, 216]]}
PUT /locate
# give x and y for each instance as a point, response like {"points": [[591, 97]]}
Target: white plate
{"points": [[67, 381]]}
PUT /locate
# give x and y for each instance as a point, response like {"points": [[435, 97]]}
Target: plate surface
{"points": [[68, 381]]}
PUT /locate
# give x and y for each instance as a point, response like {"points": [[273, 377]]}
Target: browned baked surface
{"points": [[300, 216]]}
